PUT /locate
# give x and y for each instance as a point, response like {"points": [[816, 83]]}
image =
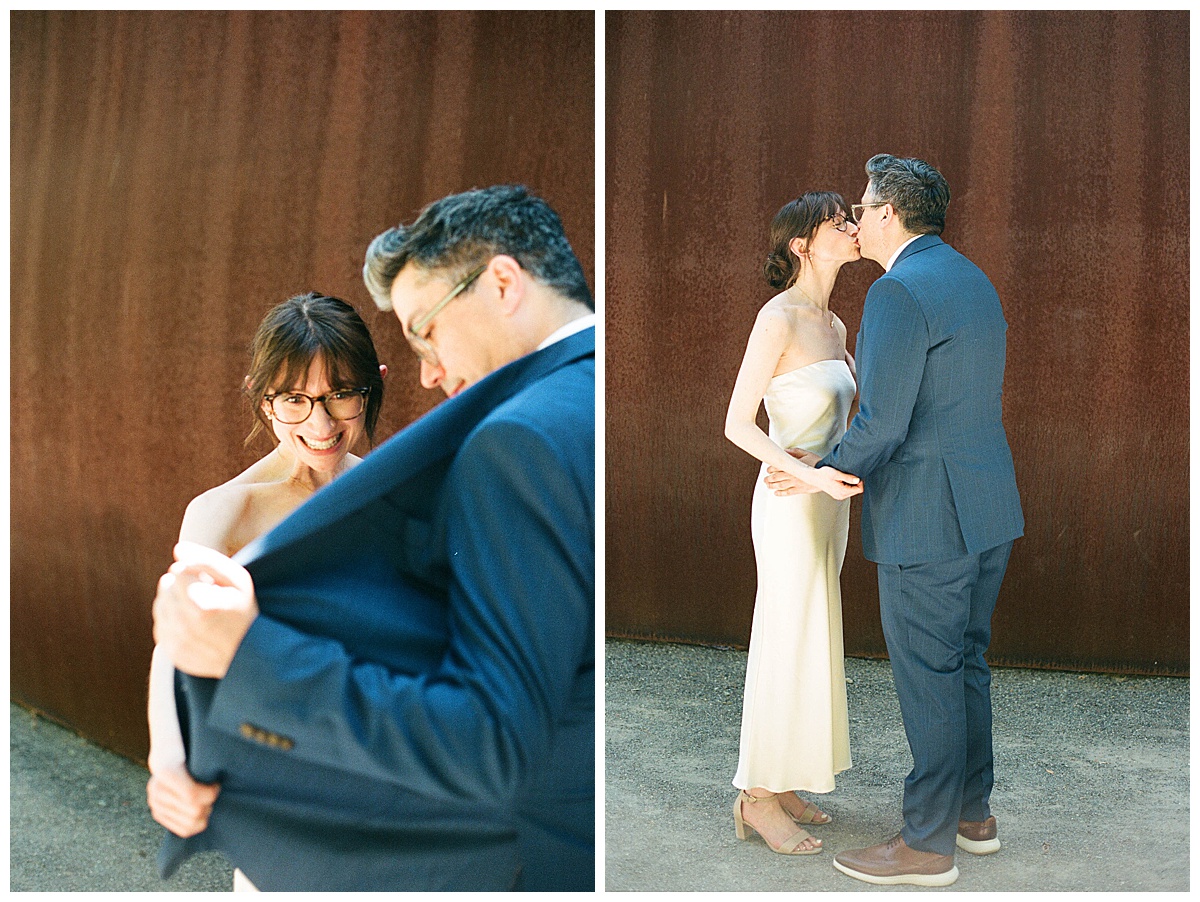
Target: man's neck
{"points": [[570, 327], [552, 317], [895, 248]]}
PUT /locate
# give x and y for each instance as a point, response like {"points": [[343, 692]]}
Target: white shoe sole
{"points": [[943, 879], [977, 846]]}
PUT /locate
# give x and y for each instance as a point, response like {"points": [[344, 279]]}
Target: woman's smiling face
{"points": [[320, 442]]}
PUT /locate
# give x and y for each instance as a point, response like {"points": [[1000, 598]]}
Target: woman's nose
{"points": [[319, 416]]}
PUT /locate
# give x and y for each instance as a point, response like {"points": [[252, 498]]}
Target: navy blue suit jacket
{"points": [[928, 440], [414, 707]]}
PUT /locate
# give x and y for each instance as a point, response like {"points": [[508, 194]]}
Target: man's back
{"points": [[547, 432], [944, 485]]}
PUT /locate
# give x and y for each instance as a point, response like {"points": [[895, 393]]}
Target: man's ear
{"points": [[511, 281], [383, 371]]}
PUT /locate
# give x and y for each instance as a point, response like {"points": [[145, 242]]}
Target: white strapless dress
{"points": [[795, 733]]}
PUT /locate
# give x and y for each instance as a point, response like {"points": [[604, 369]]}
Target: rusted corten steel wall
{"points": [[175, 175], [1064, 137]]}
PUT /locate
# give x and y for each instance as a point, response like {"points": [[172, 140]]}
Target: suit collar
{"points": [[587, 321], [920, 243], [429, 440]]}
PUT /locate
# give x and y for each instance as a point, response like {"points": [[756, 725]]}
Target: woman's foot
{"points": [[802, 811], [766, 816]]}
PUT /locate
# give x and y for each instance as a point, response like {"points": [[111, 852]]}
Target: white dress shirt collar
{"points": [[575, 325], [892, 261]]}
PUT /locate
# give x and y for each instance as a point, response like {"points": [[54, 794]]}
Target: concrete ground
{"points": [[78, 819], [1092, 779]]}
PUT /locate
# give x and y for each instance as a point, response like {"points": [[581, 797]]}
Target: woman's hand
{"points": [[203, 609], [178, 802]]}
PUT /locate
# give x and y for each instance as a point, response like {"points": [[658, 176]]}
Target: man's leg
{"points": [[926, 610], [977, 683]]}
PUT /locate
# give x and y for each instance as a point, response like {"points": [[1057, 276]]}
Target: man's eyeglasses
{"points": [[420, 345], [856, 210], [294, 407]]}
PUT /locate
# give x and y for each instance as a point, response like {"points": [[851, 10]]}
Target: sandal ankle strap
{"points": [[750, 798]]}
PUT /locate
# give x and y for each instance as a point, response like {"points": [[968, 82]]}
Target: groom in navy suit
{"points": [[397, 692], [940, 511]]}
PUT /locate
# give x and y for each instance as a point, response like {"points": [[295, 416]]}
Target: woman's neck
{"points": [[814, 286], [295, 472]]}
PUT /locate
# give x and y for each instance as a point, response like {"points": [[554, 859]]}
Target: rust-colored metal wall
{"points": [[1064, 137], [174, 175]]}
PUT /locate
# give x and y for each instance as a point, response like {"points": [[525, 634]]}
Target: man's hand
{"points": [[178, 802], [837, 484], [203, 609], [833, 482]]}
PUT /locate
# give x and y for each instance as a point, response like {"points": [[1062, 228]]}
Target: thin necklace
{"points": [[796, 285]]}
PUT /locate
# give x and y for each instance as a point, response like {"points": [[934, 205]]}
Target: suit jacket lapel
{"points": [[434, 438]]}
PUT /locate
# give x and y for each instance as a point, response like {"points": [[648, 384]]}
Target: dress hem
{"points": [[793, 788]]}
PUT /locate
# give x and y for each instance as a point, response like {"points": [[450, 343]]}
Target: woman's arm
{"points": [[768, 340], [166, 739], [177, 801]]}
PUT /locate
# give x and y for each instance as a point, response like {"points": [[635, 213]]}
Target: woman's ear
{"points": [[383, 371], [797, 247]]}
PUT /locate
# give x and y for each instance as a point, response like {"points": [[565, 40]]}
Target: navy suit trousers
{"points": [[937, 621]]}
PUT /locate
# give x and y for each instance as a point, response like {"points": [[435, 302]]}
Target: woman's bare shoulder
{"points": [[776, 309], [271, 468], [211, 516], [774, 323]]}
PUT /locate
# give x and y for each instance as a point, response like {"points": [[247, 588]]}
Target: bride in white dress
{"points": [[795, 733]]}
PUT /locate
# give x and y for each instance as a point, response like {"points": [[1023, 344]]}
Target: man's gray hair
{"points": [[917, 190], [463, 231]]}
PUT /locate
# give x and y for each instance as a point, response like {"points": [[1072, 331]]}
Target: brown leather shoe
{"points": [[978, 837], [894, 862]]}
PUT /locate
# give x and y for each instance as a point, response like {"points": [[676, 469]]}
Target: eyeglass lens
{"points": [[294, 408]]}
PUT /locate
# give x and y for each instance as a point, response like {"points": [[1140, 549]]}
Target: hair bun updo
{"points": [[799, 218], [780, 269]]}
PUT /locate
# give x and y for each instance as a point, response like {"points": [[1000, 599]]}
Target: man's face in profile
{"points": [[460, 344], [869, 237]]}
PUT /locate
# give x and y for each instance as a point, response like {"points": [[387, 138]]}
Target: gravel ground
{"points": [[1092, 787], [1092, 779], [78, 819]]}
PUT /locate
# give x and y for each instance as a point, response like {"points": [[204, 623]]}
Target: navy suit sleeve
{"points": [[891, 363], [520, 547]]}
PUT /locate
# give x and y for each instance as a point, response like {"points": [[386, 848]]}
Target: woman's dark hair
{"points": [[293, 334], [799, 218]]}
